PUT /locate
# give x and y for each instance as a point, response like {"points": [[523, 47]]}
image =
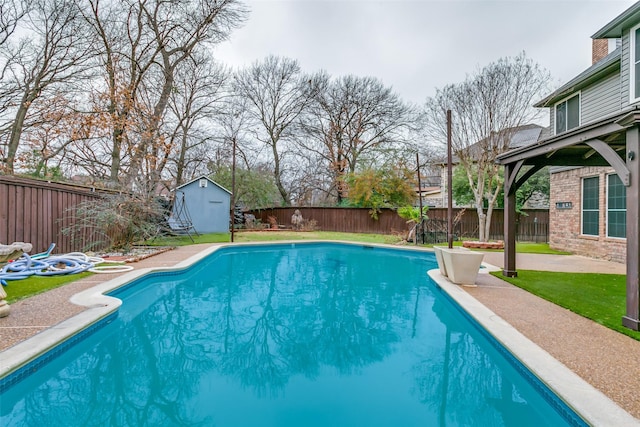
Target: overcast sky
{"points": [[416, 46]]}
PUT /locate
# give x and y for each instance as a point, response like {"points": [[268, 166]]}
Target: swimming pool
{"points": [[298, 334]]}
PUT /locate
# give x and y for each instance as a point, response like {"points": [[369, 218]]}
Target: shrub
{"points": [[114, 222]]}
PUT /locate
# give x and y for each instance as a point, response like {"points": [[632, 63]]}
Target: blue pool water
{"points": [[286, 335]]}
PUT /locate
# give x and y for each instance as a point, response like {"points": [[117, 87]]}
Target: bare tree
{"points": [[197, 98], [233, 128], [178, 29], [126, 52], [351, 118], [143, 46], [54, 56], [278, 93], [46, 143], [309, 182], [487, 108], [11, 12]]}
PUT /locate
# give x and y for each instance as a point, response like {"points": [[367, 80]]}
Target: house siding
{"points": [[609, 95], [624, 70], [565, 224], [600, 99]]}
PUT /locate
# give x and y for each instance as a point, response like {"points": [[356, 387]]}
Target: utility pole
{"points": [[233, 189], [420, 203], [449, 184]]}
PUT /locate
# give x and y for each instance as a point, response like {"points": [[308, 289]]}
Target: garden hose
{"points": [[71, 263]]}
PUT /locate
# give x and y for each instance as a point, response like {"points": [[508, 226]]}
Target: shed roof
{"points": [[203, 177]]}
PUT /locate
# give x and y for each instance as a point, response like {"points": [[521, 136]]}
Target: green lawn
{"points": [[267, 236], [599, 297], [536, 248], [185, 240], [262, 236], [521, 247]]}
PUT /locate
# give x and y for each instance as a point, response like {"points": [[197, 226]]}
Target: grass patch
{"points": [[599, 297], [521, 247], [33, 285], [537, 248], [267, 236], [272, 236], [185, 240]]}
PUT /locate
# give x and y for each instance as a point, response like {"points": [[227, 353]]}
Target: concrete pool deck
{"points": [[598, 355]]}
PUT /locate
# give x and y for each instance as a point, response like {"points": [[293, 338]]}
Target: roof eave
{"points": [[605, 67], [614, 28], [203, 177]]}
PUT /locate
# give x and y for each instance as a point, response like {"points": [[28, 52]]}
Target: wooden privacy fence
{"points": [[532, 225], [36, 212]]}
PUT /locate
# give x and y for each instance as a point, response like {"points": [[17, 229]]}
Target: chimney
{"points": [[599, 49]]}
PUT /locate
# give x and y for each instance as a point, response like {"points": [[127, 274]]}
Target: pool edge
{"points": [[98, 307], [590, 403]]}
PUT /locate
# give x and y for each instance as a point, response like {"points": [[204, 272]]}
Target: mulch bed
{"points": [[483, 245], [136, 254]]}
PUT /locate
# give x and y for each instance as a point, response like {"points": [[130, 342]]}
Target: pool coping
{"points": [[588, 402], [591, 404]]}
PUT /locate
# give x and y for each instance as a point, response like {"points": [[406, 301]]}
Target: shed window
{"points": [[634, 66], [590, 208], [568, 114], [616, 207]]}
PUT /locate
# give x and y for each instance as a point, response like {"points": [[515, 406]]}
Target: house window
{"points": [[568, 114], [634, 66], [616, 207], [590, 208]]}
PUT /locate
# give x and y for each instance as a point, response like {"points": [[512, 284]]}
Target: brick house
{"points": [[595, 147], [568, 231], [587, 214]]}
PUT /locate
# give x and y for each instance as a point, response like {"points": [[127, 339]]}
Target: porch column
{"points": [[509, 221], [631, 319]]}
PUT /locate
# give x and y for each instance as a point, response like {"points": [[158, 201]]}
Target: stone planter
{"points": [[461, 265], [4, 306], [438, 251], [13, 251], [440, 260]]}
